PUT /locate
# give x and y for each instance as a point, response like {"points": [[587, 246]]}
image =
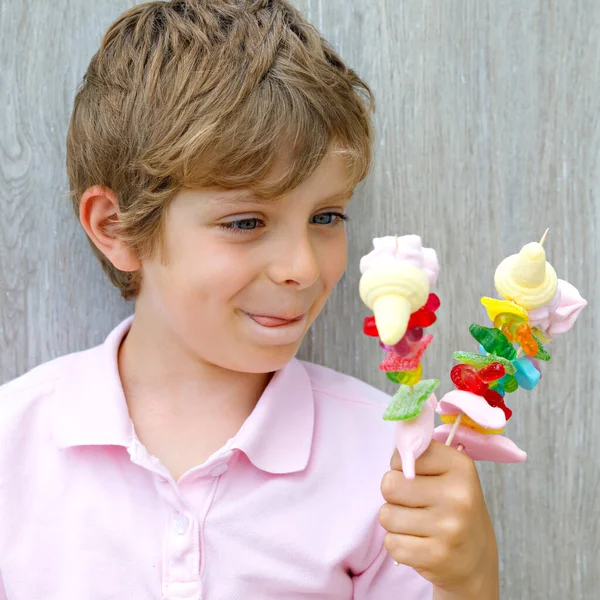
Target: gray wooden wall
{"points": [[487, 133]]}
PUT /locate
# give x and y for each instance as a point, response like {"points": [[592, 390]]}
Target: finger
{"points": [[406, 521], [420, 553], [421, 492], [438, 459]]}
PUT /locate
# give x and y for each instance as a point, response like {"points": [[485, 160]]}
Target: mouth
{"points": [[272, 321]]}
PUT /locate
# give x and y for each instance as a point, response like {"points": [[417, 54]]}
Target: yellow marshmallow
{"points": [[527, 278], [393, 292], [468, 422]]}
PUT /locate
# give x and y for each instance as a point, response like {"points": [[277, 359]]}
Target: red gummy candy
{"points": [[403, 347], [491, 372], [414, 335], [369, 327], [395, 363], [433, 302], [494, 399], [465, 378], [422, 318]]}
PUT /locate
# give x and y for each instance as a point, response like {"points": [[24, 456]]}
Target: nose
{"points": [[294, 262]]}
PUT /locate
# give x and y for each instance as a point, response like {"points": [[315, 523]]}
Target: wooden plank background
{"points": [[487, 133]]}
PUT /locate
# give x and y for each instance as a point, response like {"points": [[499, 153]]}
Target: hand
{"points": [[439, 525]]}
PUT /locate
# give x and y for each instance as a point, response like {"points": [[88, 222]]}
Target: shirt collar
{"points": [[91, 409]]}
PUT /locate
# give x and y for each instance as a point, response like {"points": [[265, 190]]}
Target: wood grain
{"points": [[488, 133]]}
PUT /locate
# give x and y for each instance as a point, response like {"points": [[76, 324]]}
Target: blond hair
{"points": [[209, 93]]}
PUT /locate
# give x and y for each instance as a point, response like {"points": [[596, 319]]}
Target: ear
{"points": [[99, 215]]}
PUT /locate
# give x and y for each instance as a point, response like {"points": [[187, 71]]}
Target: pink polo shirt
{"points": [[287, 509]]}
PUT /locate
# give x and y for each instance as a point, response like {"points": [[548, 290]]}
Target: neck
{"points": [[162, 376]]}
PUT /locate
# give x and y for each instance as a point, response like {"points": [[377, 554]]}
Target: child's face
{"points": [[242, 281]]}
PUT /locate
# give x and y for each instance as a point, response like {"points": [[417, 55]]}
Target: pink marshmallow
{"points": [[479, 446], [406, 249], [413, 437], [475, 407], [560, 314], [431, 266]]}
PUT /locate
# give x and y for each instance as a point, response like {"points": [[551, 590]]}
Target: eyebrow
{"points": [[246, 197]]}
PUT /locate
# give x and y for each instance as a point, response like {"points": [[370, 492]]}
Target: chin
{"points": [[268, 360], [261, 359]]}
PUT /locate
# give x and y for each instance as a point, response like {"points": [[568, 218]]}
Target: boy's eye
{"points": [[251, 224], [246, 224], [242, 225], [329, 218]]}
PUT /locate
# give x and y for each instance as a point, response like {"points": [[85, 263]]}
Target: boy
{"points": [[212, 152]]}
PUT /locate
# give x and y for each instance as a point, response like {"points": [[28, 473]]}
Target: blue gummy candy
{"points": [[527, 375]]}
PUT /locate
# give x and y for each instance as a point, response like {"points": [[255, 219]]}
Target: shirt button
{"points": [[219, 469], [180, 524]]}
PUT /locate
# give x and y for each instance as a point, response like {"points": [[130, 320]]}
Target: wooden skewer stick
{"points": [[454, 429], [544, 236]]}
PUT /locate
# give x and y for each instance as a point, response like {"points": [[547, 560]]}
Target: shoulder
{"points": [[24, 399], [35, 383]]}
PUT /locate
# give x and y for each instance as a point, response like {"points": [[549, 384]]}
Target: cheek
{"points": [[334, 262], [208, 276]]}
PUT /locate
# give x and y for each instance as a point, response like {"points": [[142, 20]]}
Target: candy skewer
{"points": [[535, 306], [396, 279], [454, 429]]}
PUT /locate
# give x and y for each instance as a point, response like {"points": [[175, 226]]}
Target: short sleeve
{"points": [[383, 580]]}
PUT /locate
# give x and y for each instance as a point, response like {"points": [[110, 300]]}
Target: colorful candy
{"points": [[433, 302], [407, 377], [494, 307], [527, 375], [395, 363], [369, 327], [494, 341], [516, 329], [415, 334], [494, 399], [479, 361], [542, 354], [509, 383], [422, 318], [407, 402], [491, 372], [465, 378]]}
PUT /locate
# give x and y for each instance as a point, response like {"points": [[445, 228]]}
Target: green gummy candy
{"points": [[479, 361], [392, 376], [510, 384], [542, 353], [493, 340], [408, 401]]}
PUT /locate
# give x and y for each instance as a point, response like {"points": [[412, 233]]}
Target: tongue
{"points": [[269, 321]]}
